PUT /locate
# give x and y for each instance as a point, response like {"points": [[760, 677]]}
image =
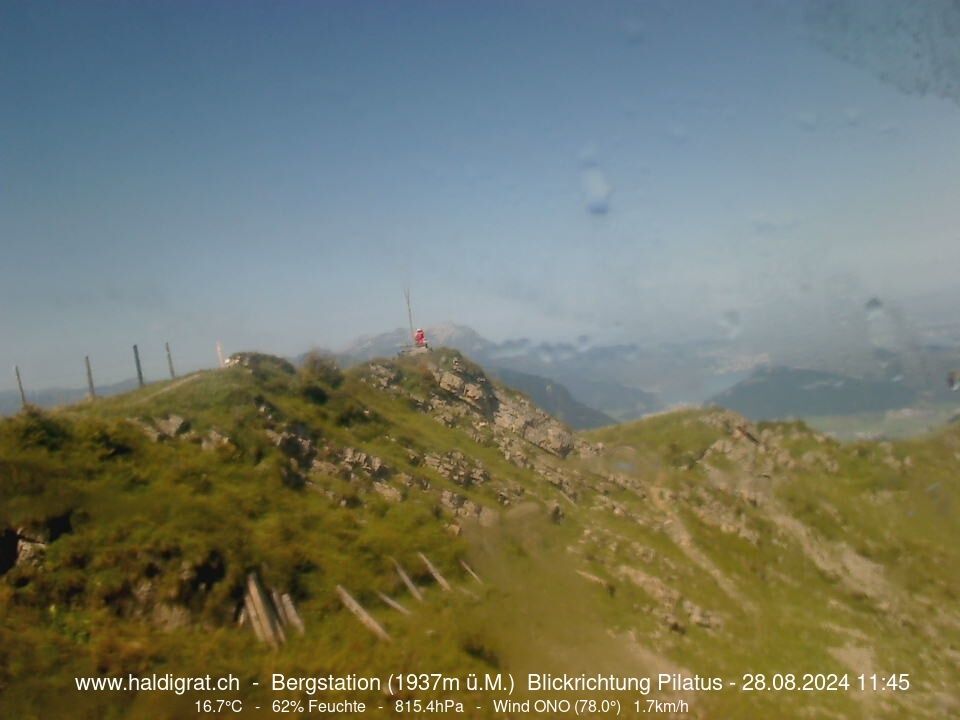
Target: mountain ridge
{"points": [[777, 392], [129, 526]]}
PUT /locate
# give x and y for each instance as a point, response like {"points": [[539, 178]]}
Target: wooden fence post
{"points": [[23, 395], [262, 615], [441, 580], [414, 590], [136, 359], [362, 615], [90, 387], [173, 375], [469, 569], [393, 603]]}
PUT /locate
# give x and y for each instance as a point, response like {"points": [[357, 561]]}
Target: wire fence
{"points": [[91, 386]]}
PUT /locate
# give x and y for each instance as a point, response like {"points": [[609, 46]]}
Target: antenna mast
{"points": [[406, 294]]}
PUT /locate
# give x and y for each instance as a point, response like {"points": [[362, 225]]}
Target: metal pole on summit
{"points": [[406, 294]]}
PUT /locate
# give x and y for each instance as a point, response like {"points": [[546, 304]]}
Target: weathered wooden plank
{"points": [[262, 615], [594, 579], [414, 590], [289, 614], [259, 629], [362, 615], [393, 603], [436, 573], [469, 569]]}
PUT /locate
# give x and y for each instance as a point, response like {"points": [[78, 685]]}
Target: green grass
{"points": [[147, 527]]}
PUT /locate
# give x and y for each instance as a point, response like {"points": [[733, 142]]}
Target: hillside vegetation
{"points": [[692, 542]]}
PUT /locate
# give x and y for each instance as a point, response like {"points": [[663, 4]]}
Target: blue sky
{"points": [[273, 174]]}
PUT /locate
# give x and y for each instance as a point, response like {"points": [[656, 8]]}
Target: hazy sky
{"points": [[273, 174]]}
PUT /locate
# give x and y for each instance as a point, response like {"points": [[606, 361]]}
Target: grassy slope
{"points": [[166, 512], [901, 518]]}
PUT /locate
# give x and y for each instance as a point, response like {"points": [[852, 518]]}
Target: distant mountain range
{"points": [[52, 397], [590, 385], [781, 392], [581, 385], [554, 398], [627, 381]]}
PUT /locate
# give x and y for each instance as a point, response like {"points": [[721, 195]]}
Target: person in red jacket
{"points": [[420, 338]]}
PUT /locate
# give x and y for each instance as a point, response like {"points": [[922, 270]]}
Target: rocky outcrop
{"points": [[463, 396], [27, 544], [167, 428], [172, 426], [457, 468], [567, 480], [357, 461], [259, 362], [465, 382], [466, 392], [294, 442], [523, 418], [381, 376], [215, 440], [461, 506], [388, 492], [673, 610]]}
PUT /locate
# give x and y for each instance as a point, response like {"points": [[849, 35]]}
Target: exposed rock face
{"points": [[294, 443], [388, 492], [715, 514], [509, 494], [456, 467], [461, 506], [464, 397], [457, 393], [765, 452], [30, 551], [170, 617], [451, 500], [382, 376], [166, 428], [450, 382], [256, 362], [214, 440], [27, 544], [671, 606], [522, 417], [568, 481], [491, 409], [468, 384], [172, 426], [357, 461]]}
